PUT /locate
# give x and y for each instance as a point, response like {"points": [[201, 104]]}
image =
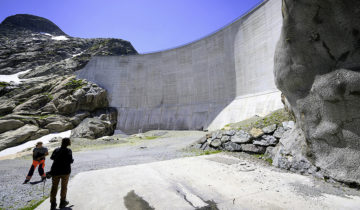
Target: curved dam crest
{"points": [[223, 78]]}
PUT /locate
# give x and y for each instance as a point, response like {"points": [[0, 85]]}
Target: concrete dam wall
{"points": [[225, 77]]}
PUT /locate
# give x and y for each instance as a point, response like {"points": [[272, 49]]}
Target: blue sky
{"points": [[150, 25]]}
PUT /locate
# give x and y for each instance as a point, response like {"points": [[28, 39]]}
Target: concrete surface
{"points": [[190, 86], [14, 195], [190, 183]]}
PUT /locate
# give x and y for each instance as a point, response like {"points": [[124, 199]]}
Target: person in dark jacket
{"points": [[39, 154], [60, 170]]}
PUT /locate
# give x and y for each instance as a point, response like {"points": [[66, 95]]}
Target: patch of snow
{"points": [[47, 34], [77, 54], [13, 77], [30, 144], [60, 38]]}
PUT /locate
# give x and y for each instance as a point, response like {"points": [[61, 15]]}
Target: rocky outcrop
{"points": [[58, 104], [6, 125], [317, 67], [101, 123], [256, 141], [30, 23], [33, 43], [49, 97], [18, 136]]}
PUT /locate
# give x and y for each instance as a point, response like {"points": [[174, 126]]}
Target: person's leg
{"points": [[41, 169], [32, 169], [64, 183], [54, 188]]}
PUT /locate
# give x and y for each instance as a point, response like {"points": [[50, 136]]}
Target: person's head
{"points": [[39, 144], [65, 142]]}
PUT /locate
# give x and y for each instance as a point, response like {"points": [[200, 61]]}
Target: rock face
{"points": [[18, 136], [317, 67], [31, 23], [50, 99], [102, 123], [242, 141], [6, 125], [30, 42]]}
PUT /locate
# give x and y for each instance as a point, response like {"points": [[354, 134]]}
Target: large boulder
{"points": [[6, 106], [251, 148], [94, 97], [6, 125], [72, 95], [317, 67], [102, 123], [59, 126], [34, 103], [18, 136], [92, 128], [241, 137]]}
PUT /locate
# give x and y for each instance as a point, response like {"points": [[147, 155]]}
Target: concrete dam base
{"points": [[223, 78]]}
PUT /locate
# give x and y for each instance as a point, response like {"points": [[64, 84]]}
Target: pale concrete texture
{"points": [[190, 86], [190, 183]]}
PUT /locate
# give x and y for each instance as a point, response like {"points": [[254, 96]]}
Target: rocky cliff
{"points": [[48, 98], [317, 67]]}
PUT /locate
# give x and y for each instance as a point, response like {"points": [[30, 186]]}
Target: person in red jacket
{"points": [[60, 170], [39, 154]]}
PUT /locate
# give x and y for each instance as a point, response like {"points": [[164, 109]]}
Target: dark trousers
{"points": [[41, 164], [55, 183]]}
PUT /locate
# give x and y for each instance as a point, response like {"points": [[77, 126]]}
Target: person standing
{"points": [[39, 154], [60, 170]]}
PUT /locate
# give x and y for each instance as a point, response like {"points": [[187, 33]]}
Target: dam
{"points": [[222, 78]]}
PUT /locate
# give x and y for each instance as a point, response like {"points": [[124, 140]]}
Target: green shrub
{"points": [[269, 160], [75, 84], [4, 84], [263, 157], [151, 137], [208, 152], [276, 117], [51, 97]]}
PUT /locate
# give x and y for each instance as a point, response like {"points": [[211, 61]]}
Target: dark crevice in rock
{"points": [[328, 51], [314, 36], [355, 93], [355, 32], [357, 46], [317, 18], [353, 185], [344, 56]]}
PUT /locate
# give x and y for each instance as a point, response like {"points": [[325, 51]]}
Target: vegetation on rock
{"points": [[4, 84], [276, 117], [75, 84]]}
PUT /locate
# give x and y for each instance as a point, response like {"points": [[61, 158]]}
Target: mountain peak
{"points": [[32, 23]]}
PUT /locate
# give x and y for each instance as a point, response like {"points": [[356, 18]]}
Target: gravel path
{"points": [[14, 195]]}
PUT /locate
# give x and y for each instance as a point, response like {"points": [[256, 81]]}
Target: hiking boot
{"points": [[63, 204], [26, 181], [53, 206]]}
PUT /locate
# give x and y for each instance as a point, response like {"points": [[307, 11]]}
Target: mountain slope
{"points": [[46, 49], [49, 98]]}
